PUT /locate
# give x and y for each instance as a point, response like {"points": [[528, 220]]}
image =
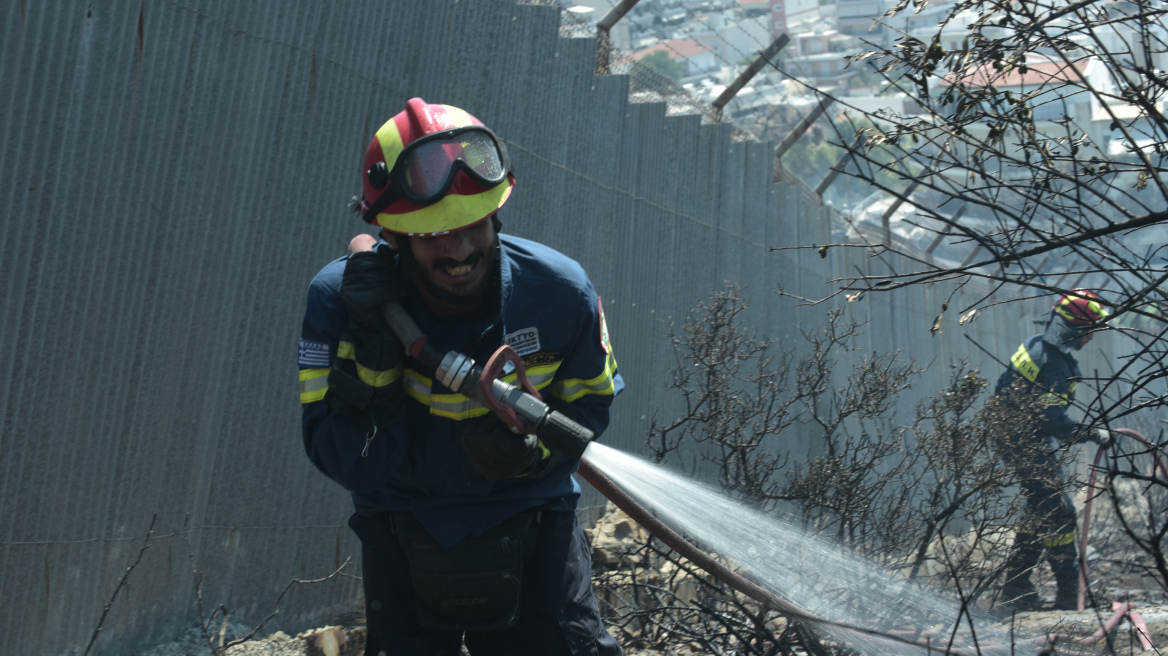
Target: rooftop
{"points": [[674, 48], [1032, 74]]}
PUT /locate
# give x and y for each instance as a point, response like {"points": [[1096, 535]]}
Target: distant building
{"points": [[865, 19], [1058, 91], [1124, 37], [857, 16], [1061, 90], [923, 23], [673, 15], [820, 55], [745, 38], [698, 57], [754, 8], [792, 15]]}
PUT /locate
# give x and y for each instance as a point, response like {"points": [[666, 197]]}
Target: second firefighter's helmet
{"points": [[1080, 307], [433, 169]]}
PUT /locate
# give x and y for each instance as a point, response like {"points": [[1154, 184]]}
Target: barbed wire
{"points": [[648, 84]]}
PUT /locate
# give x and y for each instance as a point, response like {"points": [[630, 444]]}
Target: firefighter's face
{"points": [[456, 266]]}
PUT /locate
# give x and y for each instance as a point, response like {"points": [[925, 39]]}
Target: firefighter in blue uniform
{"points": [[468, 531], [1045, 366]]}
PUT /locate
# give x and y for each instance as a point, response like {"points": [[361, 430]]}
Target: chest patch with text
{"points": [[524, 341]]}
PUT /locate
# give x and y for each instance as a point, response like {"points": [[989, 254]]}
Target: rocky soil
{"points": [[609, 537]]}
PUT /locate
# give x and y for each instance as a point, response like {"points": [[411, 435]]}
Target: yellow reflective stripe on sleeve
{"points": [[459, 406], [539, 376], [456, 409], [371, 377], [417, 386], [313, 384], [573, 388], [1059, 540], [1025, 366], [1055, 399], [378, 378]]}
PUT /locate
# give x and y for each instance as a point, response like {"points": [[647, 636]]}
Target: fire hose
{"points": [[524, 411], [1091, 494]]}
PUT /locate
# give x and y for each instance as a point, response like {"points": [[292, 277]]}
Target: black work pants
{"points": [[1053, 534], [559, 616]]}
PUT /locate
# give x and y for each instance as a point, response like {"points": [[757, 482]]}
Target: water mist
{"points": [[857, 600]]}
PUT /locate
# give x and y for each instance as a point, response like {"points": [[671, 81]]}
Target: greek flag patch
{"points": [[313, 355]]}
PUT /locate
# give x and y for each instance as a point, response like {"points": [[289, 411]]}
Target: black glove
{"points": [[365, 382], [498, 454], [371, 280], [1102, 437]]}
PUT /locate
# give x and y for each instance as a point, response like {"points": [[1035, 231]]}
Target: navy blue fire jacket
{"points": [[1052, 372], [550, 314]]}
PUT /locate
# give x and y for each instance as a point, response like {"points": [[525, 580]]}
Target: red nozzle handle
{"points": [[492, 371]]}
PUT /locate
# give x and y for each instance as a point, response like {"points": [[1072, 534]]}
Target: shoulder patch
{"points": [[604, 343], [524, 341], [312, 355], [1024, 364]]}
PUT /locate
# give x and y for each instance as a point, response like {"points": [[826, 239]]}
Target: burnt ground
{"points": [[1114, 570], [350, 641]]}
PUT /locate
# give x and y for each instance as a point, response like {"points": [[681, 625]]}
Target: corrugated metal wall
{"points": [[174, 174]]}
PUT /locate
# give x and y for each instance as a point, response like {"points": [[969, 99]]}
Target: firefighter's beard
{"points": [[474, 294]]}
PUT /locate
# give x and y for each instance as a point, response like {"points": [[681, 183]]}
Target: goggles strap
{"points": [[378, 205]]}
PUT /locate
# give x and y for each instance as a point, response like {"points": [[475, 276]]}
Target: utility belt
{"points": [[474, 585]]}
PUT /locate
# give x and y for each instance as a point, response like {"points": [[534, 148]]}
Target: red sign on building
{"points": [[778, 17]]}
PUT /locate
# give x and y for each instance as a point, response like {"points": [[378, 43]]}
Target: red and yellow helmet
{"points": [[1081, 307], [433, 169]]}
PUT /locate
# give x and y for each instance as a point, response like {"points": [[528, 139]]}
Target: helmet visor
{"points": [[425, 169]]}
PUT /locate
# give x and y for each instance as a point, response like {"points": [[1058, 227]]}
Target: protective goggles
{"points": [[425, 169]]}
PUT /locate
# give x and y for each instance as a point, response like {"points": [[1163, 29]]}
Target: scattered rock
{"points": [[325, 641], [277, 644], [612, 534], [334, 641], [1084, 624]]}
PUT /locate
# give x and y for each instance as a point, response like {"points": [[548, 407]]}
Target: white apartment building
{"points": [[792, 15]]}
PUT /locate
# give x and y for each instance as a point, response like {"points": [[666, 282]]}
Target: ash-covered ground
{"points": [[1115, 570]]}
